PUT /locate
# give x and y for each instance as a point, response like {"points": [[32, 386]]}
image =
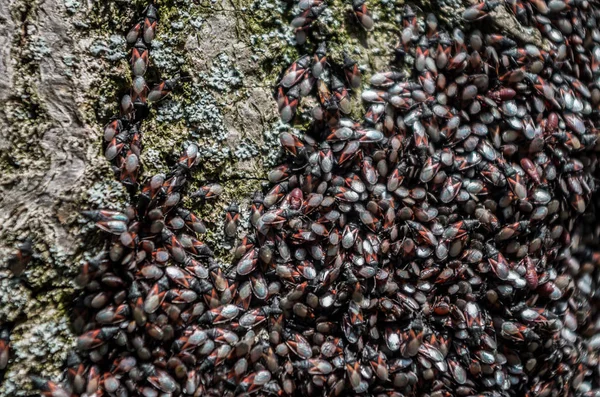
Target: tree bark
{"points": [[63, 67]]}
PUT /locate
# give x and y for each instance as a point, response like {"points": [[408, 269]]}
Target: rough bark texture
{"points": [[63, 66], [51, 164]]}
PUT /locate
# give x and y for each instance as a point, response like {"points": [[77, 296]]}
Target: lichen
{"points": [[36, 302], [271, 150], [105, 194], [270, 36], [164, 57], [246, 151], [72, 6], [223, 75], [14, 297], [196, 111], [111, 48], [38, 48], [38, 346]]}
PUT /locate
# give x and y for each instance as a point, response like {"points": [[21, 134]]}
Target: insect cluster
{"points": [[437, 247]]}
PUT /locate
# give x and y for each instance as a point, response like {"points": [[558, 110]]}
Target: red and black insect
{"points": [[432, 246]]}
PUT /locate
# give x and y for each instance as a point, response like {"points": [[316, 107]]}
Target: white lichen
{"points": [[223, 75], [271, 148], [38, 48], [196, 22], [167, 60], [246, 150], [177, 25], [13, 297], [111, 49], [204, 116], [72, 6], [170, 111], [279, 34], [108, 194], [38, 346]]}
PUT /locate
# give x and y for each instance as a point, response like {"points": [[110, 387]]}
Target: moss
{"points": [[269, 35]]}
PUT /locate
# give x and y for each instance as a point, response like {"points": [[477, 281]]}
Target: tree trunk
{"points": [[63, 67]]}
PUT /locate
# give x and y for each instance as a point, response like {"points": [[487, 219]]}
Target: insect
{"points": [[231, 220], [433, 246]]}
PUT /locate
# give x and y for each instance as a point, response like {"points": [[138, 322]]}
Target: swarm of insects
{"points": [[445, 245]]}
